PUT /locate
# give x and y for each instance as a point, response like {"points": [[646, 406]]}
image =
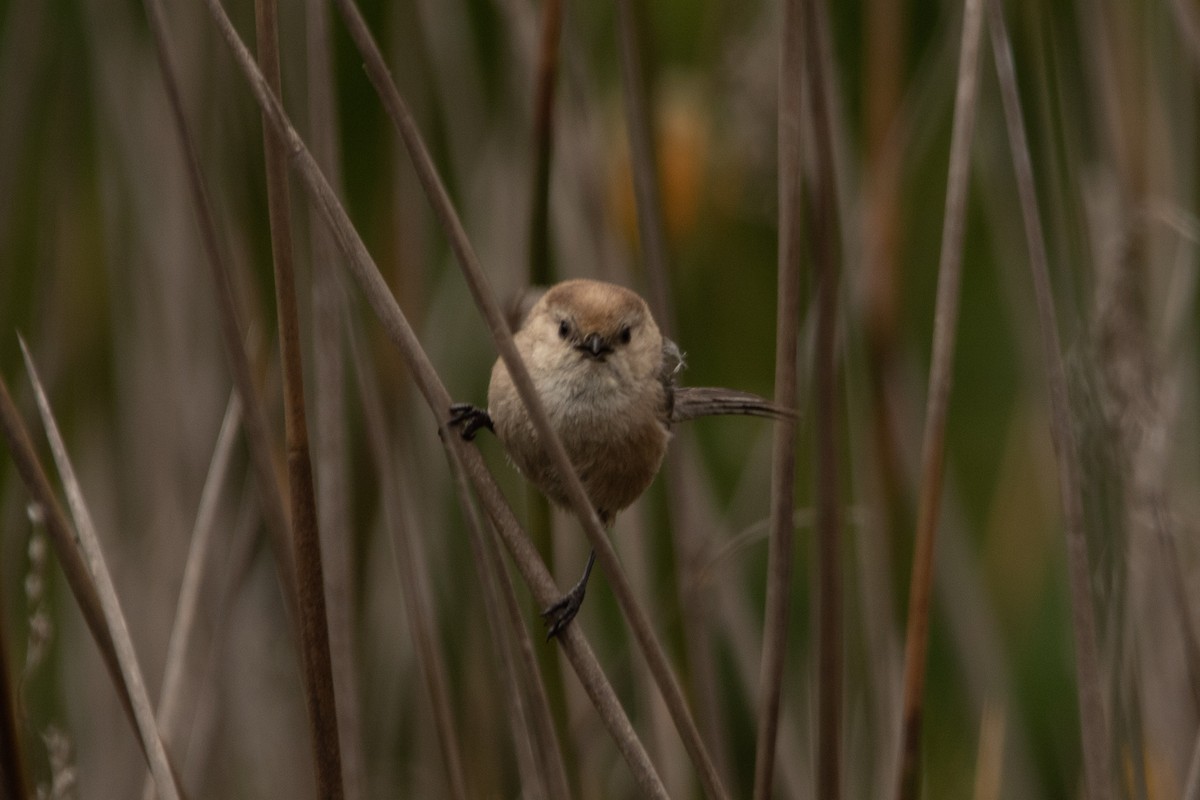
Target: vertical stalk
{"points": [[783, 463], [933, 448], [1097, 766], [830, 655], [541, 273], [306, 541]]}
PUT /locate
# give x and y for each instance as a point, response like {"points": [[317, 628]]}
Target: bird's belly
{"points": [[615, 451]]}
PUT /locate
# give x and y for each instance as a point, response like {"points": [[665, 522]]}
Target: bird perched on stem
{"points": [[606, 376]]}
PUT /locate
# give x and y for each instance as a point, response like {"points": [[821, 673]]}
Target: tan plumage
{"points": [[607, 378]]}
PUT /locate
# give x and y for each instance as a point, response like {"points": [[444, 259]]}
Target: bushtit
{"points": [[606, 376]]}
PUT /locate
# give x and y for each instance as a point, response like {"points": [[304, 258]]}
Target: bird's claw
{"points": [[558, 616], [469, 419]]}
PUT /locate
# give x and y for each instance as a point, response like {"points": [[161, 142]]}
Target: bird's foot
{"points": [[469, 419], [558, 616]]}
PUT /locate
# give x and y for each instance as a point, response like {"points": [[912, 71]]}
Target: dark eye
{"points": [[564, 329], [625, 335]]}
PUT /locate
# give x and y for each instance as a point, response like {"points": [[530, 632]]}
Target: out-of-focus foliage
{"points": [[102, 270]]}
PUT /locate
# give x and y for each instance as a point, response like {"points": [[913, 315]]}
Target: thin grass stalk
{"points": [[232, 327], [396, 326], [306, 537], [541, 272], [143, 711], [572, 641], [933, 447], [539, 520], [176, 685], [333, 512], [651, 231], [487, 303], [404, 542], [783, 454], [830, 655], [14, 782], [687, 538], [62, 536], [1097, 764]]}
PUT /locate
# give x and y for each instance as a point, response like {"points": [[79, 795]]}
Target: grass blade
{"points": [[830, 655], [1092, 717], [490, 308], [933, 447], [306, 537], [783, 456], [89, 542], [396, 326], [172, 715], [232, 327]]}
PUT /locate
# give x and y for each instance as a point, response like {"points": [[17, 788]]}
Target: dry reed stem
{"points": [[13, 780], [306, 538], [88, 541], [830, 655], [783, 455], [540, 271], [405, 543], [488, 305], [686, 531], [572, 641], [646, 191], [179, 673], [1093, 722], [333, 506], [396, 326], [63, 538], [933, 446], [232, 327]]}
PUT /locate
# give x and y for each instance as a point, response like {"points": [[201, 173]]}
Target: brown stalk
{"points": [[178, 674], [783, 455], [651, 230], [89, 543], [333, 510], [531, 705], [933, 448], [830, 658], [487, 303], [232, 327], [396, 326], [1092, 715], [540, 271], [306, 538], [686, 528], [62, 536]]}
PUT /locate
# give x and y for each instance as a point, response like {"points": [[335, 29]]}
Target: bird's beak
{"points": [[594, 346]]}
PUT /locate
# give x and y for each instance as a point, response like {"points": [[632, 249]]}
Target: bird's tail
{"points": [[692, 402]]}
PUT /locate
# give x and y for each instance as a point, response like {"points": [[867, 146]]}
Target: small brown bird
{"points": [[606, 376]]}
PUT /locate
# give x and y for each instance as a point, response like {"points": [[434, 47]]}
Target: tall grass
{"points": [[746, 629]]}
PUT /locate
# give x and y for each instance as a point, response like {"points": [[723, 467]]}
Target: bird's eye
{"points": [[626, 334], [564, 329]]}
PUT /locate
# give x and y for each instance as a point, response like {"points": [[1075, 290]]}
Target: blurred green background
{"points": [[102, 272]]}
